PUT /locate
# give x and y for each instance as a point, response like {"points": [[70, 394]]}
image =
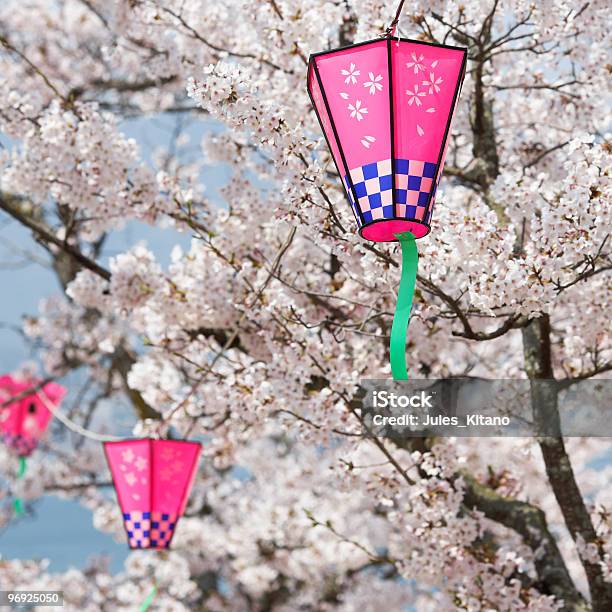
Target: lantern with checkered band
{"points": [[24, 421], [153, 479], [385, 107]]}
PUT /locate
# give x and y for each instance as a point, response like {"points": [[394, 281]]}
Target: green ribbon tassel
{"points": [[17, 502], [401, 318], [146, 604]]}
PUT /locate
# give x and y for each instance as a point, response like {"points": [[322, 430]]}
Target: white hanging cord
{"points": [[398, 27], [54, 410]]}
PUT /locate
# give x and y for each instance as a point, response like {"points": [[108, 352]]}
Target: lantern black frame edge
{"points": [[312, 66], [357, 213], [437, 175], [108, 463], [398, 38], [391, 128]]}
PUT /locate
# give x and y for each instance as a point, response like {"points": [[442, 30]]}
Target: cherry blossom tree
{"points": [[255, 339]]}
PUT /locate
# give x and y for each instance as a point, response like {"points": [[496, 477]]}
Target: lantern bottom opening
{"points": [[385, 230]]}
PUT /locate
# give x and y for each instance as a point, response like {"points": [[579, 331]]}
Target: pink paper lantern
{"points": [[386, 107], [24, 422], [153, 479]]}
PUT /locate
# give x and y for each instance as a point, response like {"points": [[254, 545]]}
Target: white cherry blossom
{"points": [[433, 83], [416, 64], [357, 110], [374, 83], [414, 96], [351, 74]]}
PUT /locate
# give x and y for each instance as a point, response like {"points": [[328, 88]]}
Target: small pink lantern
{"points": [[153, 479], [386, 107], [24, 421]]}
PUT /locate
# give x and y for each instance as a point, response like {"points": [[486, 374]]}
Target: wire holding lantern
{"points": [[386, 107]]}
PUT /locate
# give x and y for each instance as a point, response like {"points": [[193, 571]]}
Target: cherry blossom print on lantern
{"points": [[24, 421], [153, 479], [385, 107]]}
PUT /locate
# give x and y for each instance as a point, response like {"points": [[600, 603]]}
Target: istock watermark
{"points": [[385, 399], [480, 407]]}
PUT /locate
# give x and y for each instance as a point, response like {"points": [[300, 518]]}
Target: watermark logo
{"points": [[389, 399], [480, 407]]}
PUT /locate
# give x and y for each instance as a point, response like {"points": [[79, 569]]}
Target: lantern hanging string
{"points": [[92, 435], [401, 318], [18, 502], [390, 31]]}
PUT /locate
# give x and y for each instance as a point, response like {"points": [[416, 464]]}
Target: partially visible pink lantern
{"points": [[153, 479], [386, 107], [24, 421]]}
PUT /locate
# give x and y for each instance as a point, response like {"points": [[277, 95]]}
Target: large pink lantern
{"points": [[385, 107], [153, 479], [24, 421]]}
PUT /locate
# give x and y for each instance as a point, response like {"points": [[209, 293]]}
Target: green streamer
{"points": [[17, 502], [401, 318], [148, 601]]}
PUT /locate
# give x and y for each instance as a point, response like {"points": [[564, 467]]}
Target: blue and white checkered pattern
{"points": [[373, 185], [149, 529]]}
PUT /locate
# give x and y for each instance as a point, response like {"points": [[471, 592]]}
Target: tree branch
{"points": [[538, 365], [15, 208], [530, 523]]}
